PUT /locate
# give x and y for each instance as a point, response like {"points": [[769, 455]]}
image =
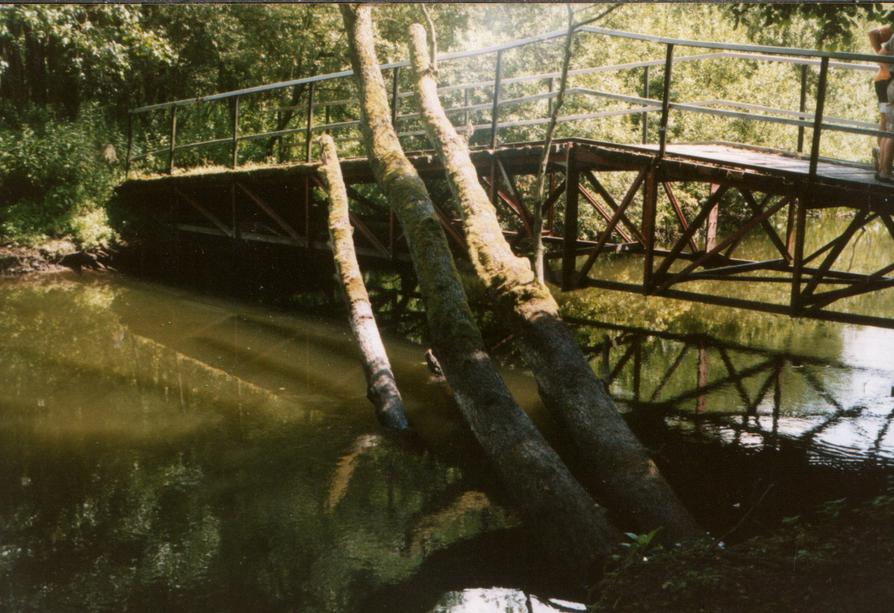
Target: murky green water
{"points": [[161, 450]]}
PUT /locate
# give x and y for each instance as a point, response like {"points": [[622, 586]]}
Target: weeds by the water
{"points": [[841, 559]]}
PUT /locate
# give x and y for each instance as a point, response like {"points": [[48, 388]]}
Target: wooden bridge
{"points": [[258, 193]]}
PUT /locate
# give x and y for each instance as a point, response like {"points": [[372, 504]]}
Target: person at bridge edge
{"points": [[882, 43]]}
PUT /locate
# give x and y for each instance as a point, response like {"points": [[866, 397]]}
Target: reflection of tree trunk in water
{"points": [[615, 458], [435, 530], [381, 388], [341, 478], [559, 511]]}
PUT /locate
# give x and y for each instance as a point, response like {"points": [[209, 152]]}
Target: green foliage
{"points": [[57, 61], [55, 177], [832, 24]]}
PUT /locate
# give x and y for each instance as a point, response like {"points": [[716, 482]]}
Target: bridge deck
{"points": [[854, 182], [276, 204], [777, 162]]}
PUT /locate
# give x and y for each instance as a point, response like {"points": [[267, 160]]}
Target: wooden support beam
{"points": [[713, 221], [678, 210], [765, 224], [610, 227], [860, 219], [606, 215], [600, 189], [798, 253], [650, 209], [754, 305], [515, 206], [735, 244], [282, 223], [355, 195], [889, 224], [449, 228], [569, 259], [703, 213], [207, 214], [745, 228], [550, 202], [510, 184], [368, 234], [875, 281]]}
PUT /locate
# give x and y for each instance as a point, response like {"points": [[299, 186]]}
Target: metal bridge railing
{"points": [[804, 120]]}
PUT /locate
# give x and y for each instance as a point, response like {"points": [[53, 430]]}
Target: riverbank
{"points": [[49, 257], [839, 559]]}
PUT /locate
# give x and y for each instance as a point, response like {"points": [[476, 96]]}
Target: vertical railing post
{"points": [[806, 197], [569, 234], [129, 144], [818, 116], [665, 100], [395, 95], [234, 161], [308, 130], [645, 115], [172, 139], [802, 106], [494, 114]]}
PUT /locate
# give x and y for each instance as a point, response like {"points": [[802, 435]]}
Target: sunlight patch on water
{"points": [[501, 600]]}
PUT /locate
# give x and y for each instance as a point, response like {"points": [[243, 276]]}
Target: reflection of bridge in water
{"points": [[752, 396], [277, 203]]}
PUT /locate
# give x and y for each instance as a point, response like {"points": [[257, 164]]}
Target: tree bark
{"points": [[381, 388], [569, 525], [618, 464]]}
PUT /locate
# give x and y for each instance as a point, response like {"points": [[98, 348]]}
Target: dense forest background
{"points": [[69, 74]]}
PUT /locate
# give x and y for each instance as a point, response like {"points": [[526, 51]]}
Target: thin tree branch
{"points": [[432, 40]]}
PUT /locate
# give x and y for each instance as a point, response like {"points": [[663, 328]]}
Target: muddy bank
{"points": [[51, 257], [836, 558]]}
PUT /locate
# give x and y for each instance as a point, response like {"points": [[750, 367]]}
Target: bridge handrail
{"points": [[768, 49], [720, 50], [755, 50]]}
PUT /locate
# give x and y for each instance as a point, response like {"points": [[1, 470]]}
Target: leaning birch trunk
{"points": [[381, 388], [615, 459], [560, 513]]}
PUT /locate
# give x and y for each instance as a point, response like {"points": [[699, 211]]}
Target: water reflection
{"points": [[501, 600], [147, 464], [160, 449], [752, 396]]}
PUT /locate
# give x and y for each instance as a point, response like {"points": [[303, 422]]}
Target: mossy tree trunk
{"points": [[617, 463], [569, 525], [381, 388]]}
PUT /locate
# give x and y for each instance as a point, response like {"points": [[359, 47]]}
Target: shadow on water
{"points": [[165, 449]]}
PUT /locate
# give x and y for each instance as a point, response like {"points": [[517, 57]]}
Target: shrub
{"points": [[55, 178]]}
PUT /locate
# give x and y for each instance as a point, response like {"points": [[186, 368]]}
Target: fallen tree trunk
{"points": [[617, 462], [381, 388], [569, 525]]}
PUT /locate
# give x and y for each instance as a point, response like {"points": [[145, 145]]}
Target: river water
{"points": [[165, 449]]}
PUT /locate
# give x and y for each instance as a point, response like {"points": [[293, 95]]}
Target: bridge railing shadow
{"points": [[276, 122]]}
